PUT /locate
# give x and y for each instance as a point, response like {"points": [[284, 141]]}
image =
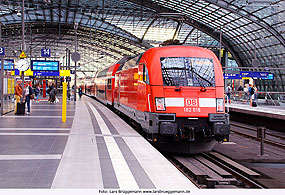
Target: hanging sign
{"points": [[23, 55], [254, 74], [64, 73], [45, 53], [2, 51], [231, 76]]}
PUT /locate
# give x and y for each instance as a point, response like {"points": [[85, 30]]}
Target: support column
{"points": [[1, 76], [225, 58], [23, 43], [2, 86]]}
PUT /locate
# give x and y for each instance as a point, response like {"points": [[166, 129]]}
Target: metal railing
{"points": [[269, 98]]}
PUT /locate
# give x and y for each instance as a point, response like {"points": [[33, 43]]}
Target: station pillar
{"points": [[44, 88]]}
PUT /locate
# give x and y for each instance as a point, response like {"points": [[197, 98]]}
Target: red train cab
{"points": [[176, 94]]}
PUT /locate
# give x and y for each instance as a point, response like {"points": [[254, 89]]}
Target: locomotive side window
{"points": [[188, 71], [102, 73], [109, 84], [145, 75], [132, 62]]}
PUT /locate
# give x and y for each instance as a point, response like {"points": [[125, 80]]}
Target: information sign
{"points": [[2, 51], [231, 76], [8, 64], [270, 77], [45, 53], [254, 74], [46, 73], [29, 72], [65, 73], [43, 65]]}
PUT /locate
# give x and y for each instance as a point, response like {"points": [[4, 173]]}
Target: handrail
{"points": [[275, 97], [268, 94]]}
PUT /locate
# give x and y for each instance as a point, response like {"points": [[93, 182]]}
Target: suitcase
{"points": [[20, 108], [254, 104]]}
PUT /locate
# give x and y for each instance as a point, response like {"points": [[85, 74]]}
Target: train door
{"points": [[105, 94], [142, 91], [119, 88]]}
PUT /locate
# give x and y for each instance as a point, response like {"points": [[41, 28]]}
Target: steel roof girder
{"points": [[206, 29], [249, 16]]}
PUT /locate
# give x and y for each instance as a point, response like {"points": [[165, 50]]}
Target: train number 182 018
{"points": [[192, 109]]}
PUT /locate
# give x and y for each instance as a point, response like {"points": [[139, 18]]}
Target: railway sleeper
{"points": [[211, 183]]}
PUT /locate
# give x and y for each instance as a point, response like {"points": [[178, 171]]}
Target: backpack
{"points": [[229, 89], [252, 91]]}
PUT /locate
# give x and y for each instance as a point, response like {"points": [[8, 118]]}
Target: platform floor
{"points": [[277, 112], [94, 149]]}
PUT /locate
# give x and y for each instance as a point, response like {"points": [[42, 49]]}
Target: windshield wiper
{"points": [[202, 79]]}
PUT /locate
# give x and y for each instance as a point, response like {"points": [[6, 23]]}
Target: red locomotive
{"points": [[174, 93]]}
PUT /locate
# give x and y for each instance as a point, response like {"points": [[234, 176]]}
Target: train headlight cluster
{"points": [[220, 105], [160, 104]]}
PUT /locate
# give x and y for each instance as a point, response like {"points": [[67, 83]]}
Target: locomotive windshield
{"points": [[188, 71]]}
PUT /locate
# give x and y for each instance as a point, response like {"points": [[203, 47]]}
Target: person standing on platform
{"points": [[245, 89], [228, 92], [18, 93], [49, 90], [37, 92], [80, 92], [28, 95], [240, 90], [255, 93], [251, 93]]}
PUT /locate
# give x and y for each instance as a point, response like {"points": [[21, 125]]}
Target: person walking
{"points": [[18, 93], [49, 92], [37, 92], [28, 95], [80, 92], [228, 92]]}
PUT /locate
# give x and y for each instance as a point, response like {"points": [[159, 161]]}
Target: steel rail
{"points": [[254, 129]]}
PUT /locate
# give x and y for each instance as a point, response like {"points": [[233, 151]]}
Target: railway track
{"points": [[269, 136], [213, 170]]}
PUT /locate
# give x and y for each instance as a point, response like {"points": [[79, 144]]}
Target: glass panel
{"points": [[188, 71]]}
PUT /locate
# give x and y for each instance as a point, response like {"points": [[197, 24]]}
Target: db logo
{"points": [[191, 102]]}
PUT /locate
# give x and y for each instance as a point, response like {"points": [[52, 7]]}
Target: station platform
{"points": [[94, 149], [274, 112]]}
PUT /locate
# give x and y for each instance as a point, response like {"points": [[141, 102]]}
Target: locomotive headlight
{"points": [[160, 104], [220, 105]]}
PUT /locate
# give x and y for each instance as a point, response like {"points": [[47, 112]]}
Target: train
{"points": [[175, 94]]}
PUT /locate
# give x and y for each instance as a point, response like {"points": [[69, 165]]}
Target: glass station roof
{"points": [[110, 29]]}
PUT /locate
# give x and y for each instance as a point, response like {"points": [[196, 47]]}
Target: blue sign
{"points": [[2, 51], [45, 53], [8, 64], [270, 77], [254, 74], [17, 72], [43, 65], [231, 76], [251, 74], [46, 73]]}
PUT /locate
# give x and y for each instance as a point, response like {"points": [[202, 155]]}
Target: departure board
{"points": [[43, 65], [8, 64]]}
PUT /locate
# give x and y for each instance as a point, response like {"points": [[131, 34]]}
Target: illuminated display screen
{"points": [[42, 65], [8, 64]]}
